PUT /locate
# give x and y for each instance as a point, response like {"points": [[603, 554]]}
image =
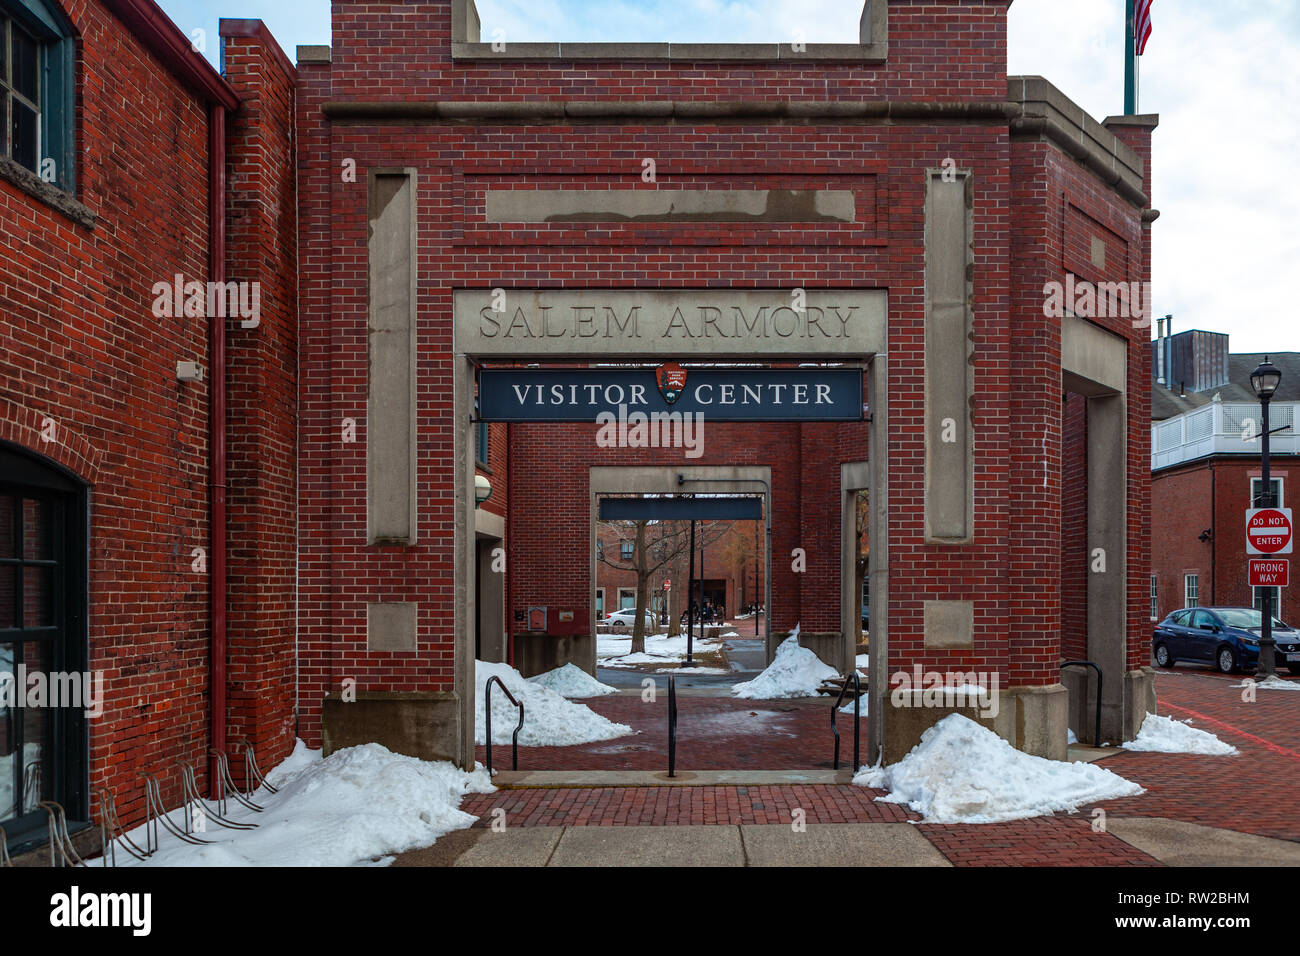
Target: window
{"points": [[1155, 599], [1191, 590], [600, 548], [600, 603], [627, 599], [1277, 599], [1257, 493], [625, 548], [37, 62]]}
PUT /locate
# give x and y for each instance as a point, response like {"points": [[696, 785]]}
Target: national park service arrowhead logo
{"points": [[672, 381]]}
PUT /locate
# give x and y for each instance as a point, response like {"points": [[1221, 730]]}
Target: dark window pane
{"points": [[4, 52], [8, 596], [23, 135], [38, 597], [26, 64], [8, 526], [38, 529]]}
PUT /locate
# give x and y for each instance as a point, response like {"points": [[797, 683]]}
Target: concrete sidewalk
{"points": [[1159, 841], [819, 844]]}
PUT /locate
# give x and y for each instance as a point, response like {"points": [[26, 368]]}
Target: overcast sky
{"points": [[1222, 74]]}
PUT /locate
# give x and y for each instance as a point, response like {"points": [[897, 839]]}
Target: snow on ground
{"points": [[730, 634], [693, 670], [549, 719], [1270, 683], [357, 805], [570, 681], [962, 772], [1070, 738], [861, 661], [616, 650], [1170, 736], [794, 672]]}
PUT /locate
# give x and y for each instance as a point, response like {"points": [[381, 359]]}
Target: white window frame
{"points": [[1281, 489], [1155, 597], [1191, 590]]}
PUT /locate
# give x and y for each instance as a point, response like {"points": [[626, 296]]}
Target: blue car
{"points": [[1224, 637]]}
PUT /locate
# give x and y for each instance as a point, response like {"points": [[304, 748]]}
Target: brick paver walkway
{"points": [[1256, 792]]}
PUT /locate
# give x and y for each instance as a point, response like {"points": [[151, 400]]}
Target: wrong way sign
{"points": [[1268, 531], [1270, 572]]}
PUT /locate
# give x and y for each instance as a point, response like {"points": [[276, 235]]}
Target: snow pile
{"points": [[1272, 682], [569, 681], [357, 805], [962, 772], [1170, 736], [730, 634], [862, 661], [549, 719], [794, 672], [1070, 738]]}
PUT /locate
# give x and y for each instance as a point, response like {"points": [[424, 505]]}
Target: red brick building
{"points": [[1206, 471], [160, 168], [902, 178], [274, 508]]}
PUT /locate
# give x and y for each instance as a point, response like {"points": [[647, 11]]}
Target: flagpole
{"points": [[1130, 59]]}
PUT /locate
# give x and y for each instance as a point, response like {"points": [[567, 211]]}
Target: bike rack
{"points": [[154, 808], [857, 726], [1096, 739], [59, 839], [111, 832], [228, 787], [190, 791], [672, 726], [487, 707], [251, 773]]}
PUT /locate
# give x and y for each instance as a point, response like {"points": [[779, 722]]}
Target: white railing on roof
{"points": [[1222, 428]]}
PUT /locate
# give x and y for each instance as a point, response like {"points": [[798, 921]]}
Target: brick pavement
{"points": [[1215, 791]]}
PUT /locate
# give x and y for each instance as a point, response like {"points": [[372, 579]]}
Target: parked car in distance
{"points": [[627, 617], [1226, 638]]}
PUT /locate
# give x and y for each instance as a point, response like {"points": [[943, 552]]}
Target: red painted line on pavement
{"points": [[1268, 744]]}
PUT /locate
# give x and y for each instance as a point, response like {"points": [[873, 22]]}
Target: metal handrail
{"points": [[672, 726], [857, 712], [1096, 739], [487, 707]]}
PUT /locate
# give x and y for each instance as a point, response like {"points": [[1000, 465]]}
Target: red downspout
{"points": [[217, 437]]}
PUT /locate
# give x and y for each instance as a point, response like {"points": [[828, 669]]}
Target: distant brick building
{"points": [[1206, 472]]}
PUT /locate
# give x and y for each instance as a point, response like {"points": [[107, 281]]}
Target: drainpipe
{"points": [[1214, 538], [217, 440]]}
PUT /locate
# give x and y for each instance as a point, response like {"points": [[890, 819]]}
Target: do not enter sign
{"points": [[1268, 531]]}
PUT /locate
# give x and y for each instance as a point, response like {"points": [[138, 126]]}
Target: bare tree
{"points": [[656, 545]]}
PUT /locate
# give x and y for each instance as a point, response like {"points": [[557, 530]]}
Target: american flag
{"points": [[1142, 24]]}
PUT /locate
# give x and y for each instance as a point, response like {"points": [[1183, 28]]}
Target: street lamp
{"points": [[1264, 380], [482, 490]]}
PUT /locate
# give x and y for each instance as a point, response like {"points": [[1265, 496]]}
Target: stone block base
{"points": [[1139, 700], [538, 653], [1032, 719], [423, 725]]}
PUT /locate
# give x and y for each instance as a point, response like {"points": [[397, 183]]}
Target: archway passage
{"points": [[641, 502]]}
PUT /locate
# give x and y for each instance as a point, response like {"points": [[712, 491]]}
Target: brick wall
{"points": [[82, 346]]}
